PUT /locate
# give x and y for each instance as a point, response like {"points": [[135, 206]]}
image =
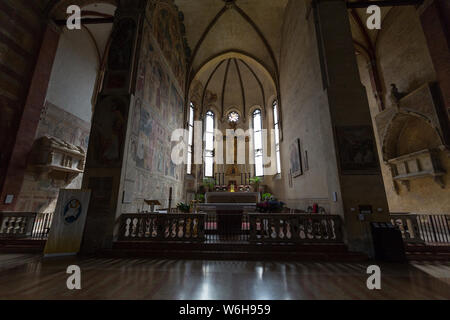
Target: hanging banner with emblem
{"points": [[66, 232]]}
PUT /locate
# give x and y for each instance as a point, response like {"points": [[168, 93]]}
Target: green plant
{"points": [[200, 198], [208, 183], [256, 181], [266, 196], [183, 207]]}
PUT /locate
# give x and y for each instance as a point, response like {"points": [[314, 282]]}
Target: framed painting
{"points": [[357, 150], [295, 159]]}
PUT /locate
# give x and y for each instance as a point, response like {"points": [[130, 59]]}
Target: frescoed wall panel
{"points": [[157, 112]]}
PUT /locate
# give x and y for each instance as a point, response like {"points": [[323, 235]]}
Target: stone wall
{"points": [[404, 59], [39, 193]]}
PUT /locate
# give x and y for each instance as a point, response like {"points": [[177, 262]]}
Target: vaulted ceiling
{"points": [[237, 83], [252, 27], [247, 26], [243, 28]]}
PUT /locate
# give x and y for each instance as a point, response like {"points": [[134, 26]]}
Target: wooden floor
{"points": [[31, 277]]}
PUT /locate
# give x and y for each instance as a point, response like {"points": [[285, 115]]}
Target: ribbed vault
{"points": [[233, 82]]}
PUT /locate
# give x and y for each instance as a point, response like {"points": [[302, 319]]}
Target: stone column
{"points": [[105, 157], [435, 20], [358, 182], [30, 117]]}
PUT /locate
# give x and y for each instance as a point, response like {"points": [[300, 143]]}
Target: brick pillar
{"points": [[436, 26], [30, 118], [105, 157], [348, 129]]}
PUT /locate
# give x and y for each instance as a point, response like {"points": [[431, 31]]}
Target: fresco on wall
{"points": [[108, 134], [176, 107], [40, 195], [167, 32], [122, 45], [120, 55], [63, 125], [158, 110]]}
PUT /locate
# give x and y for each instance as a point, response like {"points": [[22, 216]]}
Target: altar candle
{"points": [[170, 199]]}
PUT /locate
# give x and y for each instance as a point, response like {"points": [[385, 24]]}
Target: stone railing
{"points": [[295, 228], [251, 227], [422, 228], [186, 227], [16, 224]]}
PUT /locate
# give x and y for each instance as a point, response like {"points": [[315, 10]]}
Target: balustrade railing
{"points": [[421, 228], [41, 227], [295, 228], [235, 227], [185, 227], [16, 224], [20, 225]]}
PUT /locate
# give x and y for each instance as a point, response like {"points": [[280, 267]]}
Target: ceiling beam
{"points": [[206, 86], [225, 79], [259, 82], [242, 88], [383, 3]]}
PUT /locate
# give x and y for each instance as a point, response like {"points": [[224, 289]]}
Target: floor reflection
{"points": [[31, 277]]}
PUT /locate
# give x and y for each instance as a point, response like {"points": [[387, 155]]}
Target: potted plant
{"points": [[270, 205], [183, 207], [200, 198], [209, 183], [256, 181], [266, 196]]}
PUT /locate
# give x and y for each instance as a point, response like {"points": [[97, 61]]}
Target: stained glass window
{"points": [[233, 117], [258, 143], [276, 125], [191, 138], [209, 144]]}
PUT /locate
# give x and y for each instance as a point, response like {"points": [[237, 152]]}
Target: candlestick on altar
{"points": [[194, 203], [170, 200], [196, 182]]}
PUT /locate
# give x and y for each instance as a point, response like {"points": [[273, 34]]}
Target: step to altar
{"points": [[236, 251]]}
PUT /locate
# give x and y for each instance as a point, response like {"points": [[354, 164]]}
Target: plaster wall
{"points": [[74, 74], [305, 116]]}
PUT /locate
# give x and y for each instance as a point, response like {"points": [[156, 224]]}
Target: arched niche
{"points": [[411, 149], [409, 132]]}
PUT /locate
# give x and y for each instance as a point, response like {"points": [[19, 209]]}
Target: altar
{"points": [[229, 208], [232, 197]]}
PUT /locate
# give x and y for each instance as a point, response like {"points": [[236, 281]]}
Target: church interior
{"points": [[313, 145]]}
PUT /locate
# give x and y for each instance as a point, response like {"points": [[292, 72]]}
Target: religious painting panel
{"points": [[295, 159], [108, 133], [357, 150]]}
